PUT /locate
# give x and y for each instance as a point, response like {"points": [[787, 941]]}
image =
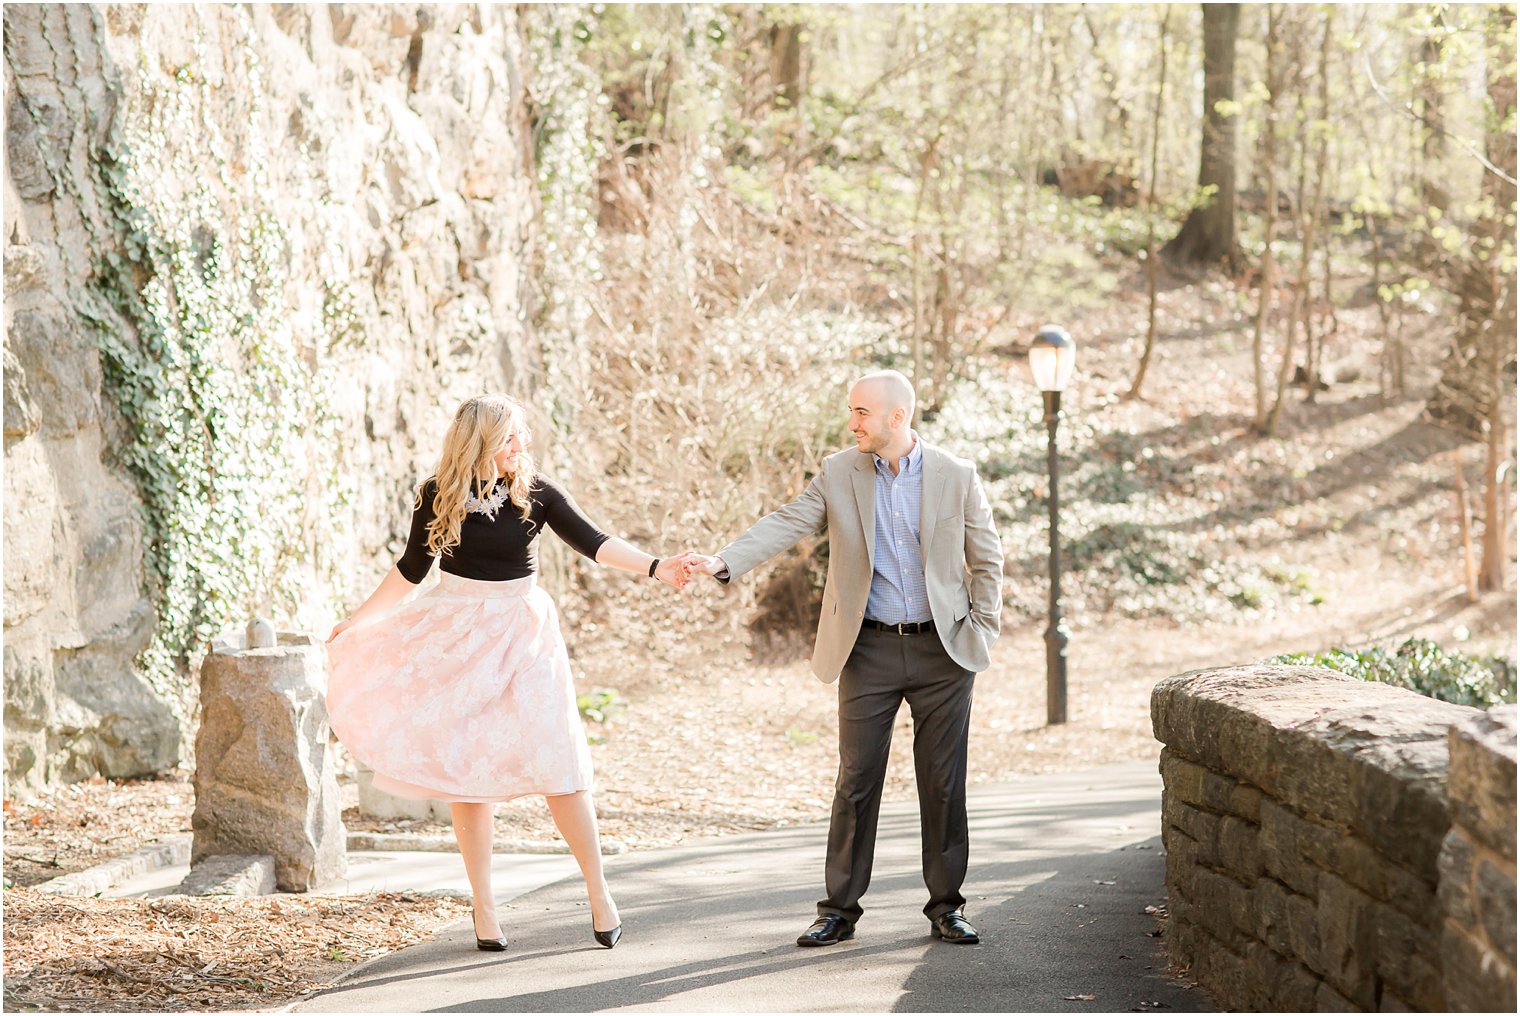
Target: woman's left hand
{"points": [[341, 627]]}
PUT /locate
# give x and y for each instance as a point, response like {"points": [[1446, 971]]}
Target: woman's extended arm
{"points": [[624, 556], [571, 524], [392, 589]]}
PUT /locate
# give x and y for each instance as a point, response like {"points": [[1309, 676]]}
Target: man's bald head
{"points": [[881, 414], [893, 388]]}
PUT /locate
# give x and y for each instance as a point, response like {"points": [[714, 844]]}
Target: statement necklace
{"points": [[491, 503]]}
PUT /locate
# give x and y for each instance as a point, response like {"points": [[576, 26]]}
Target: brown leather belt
{"points": [[902, 627]]}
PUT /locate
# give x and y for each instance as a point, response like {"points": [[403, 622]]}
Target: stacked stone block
{"points": [[1304, 816]]}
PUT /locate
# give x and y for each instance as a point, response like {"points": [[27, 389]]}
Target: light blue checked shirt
{"points": [[898, 592]]}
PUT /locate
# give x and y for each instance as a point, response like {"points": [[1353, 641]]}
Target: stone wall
{"points": [[1477, 865], [1304, 816], [395, 152]]}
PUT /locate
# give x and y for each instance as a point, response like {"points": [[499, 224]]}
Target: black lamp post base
{"points": [[1055, 672]]}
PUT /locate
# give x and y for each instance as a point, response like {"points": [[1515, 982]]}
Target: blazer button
{"points": [[860, 613]]}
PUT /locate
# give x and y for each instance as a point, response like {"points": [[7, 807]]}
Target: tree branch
{"points": [[1407, 110]]}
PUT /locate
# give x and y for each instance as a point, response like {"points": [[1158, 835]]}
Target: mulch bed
{"points": [[177, 953], [73, 827]]}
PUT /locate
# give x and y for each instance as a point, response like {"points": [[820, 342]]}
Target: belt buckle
{"points": [[902, 627]]}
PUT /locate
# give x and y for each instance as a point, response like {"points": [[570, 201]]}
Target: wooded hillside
{"points": [[785, 195]]}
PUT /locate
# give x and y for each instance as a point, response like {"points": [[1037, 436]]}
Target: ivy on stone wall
{"points": [[230, 438]]}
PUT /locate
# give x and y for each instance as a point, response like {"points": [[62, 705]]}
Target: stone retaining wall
{"points": [[1477, 865], [1304, 818]]}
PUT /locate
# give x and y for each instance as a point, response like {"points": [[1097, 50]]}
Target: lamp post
{"points": [[1051, 358]]}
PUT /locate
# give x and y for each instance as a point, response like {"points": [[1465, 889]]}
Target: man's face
{"points": [[870, 419]]}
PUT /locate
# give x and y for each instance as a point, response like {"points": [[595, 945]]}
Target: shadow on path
{"points": [[1062, 869]]}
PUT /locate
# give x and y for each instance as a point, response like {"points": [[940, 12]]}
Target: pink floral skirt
{"points": [[463, 694]]}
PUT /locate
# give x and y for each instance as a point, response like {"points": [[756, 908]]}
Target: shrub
{"points": [[1423, 666]]}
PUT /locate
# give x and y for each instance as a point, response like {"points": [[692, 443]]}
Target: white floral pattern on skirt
{"points": [[463, 694]]}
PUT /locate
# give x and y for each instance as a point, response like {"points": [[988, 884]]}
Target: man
{"points": [[910, 610]]}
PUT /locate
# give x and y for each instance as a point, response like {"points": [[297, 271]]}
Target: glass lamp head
{"points": [[1052, 356]]}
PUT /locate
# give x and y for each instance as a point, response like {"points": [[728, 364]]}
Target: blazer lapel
{"points": [[864, 477], [929, 502]]}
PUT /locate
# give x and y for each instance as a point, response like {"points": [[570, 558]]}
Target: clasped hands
{"points": [[677, 571]]}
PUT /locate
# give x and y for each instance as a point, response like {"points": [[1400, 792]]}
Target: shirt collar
{"points": [[915, 457]]}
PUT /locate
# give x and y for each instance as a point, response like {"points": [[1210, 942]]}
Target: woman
{"points": [[464, 694]]}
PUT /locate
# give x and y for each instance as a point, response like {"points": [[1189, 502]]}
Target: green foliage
{"points": [[797, 737], [1423, 666], [599, 706]]}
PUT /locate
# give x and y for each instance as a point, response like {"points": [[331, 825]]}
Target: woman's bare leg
{"points": [[473, 828], [575, 816]]}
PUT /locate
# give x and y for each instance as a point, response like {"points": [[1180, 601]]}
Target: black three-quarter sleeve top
{"points": [[495, 544]]}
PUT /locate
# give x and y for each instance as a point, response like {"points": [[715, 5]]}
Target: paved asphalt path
{"points": [[1062, 867]]}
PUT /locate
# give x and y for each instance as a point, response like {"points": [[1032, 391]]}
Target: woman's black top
{"points": [[504, 547]]}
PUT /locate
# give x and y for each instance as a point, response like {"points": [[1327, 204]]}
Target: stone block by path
{"points": [[378, 804], [265, 779], [230, 875]]}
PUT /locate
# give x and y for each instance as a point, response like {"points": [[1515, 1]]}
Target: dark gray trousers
{"points": [[885, 668]]}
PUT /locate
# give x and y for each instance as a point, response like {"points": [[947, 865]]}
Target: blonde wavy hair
{"points": [[482, 427]]}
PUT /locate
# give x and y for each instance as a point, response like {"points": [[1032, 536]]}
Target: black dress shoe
{"points": [[827, 930], [490, 944], [953, 927], [608, 938]]}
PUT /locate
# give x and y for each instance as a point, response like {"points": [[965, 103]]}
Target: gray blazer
{"points": [[963, 560]]}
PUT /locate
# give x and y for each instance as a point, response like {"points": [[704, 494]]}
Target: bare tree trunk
{"points": [[1310, 217], [1002, 173], [1475, 394], [1314, 336], [1494, 574], [788, 79], [1464, 520], [947, 312], [1295, 308], [1037, 16], [1208, 233], [1430, 108], [1268, 283], [920, 313], [1391, 362], [1150, 220]]}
